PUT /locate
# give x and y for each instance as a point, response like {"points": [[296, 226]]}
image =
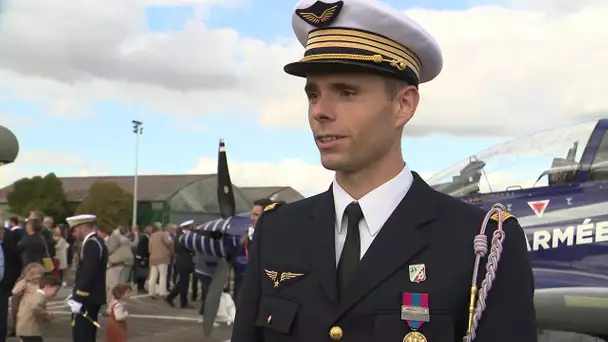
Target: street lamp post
{"points": [[137, 130]]}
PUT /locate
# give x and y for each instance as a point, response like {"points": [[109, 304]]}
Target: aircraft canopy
{"points": [[549, 157]]}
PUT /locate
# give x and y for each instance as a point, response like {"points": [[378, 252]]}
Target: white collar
{"points": [[378, 204]]}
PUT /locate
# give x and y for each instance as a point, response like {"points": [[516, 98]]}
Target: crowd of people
{"points": [[37, 254]]}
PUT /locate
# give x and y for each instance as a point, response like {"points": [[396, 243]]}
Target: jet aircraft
{"points": [[555, 182]]}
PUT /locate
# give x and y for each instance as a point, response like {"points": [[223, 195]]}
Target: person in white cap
{"points": [[183, 267], [89, 292], [380, 256], [187, 225]]}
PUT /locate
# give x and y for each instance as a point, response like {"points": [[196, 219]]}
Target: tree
{"points": [[45, 194], [109, 202]]}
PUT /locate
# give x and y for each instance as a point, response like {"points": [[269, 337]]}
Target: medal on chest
{"points": [[415, 310], [414, 336]]}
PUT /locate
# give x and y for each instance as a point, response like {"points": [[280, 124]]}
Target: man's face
{"points": [[256, 211], [47, 223], [79, 232], [83, 230], [353, 119]]}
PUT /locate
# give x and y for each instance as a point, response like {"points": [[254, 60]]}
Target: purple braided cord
{"points": [[480, 244]]}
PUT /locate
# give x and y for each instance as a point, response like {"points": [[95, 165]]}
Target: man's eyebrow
{"points": [[340, 86], [345, 86]]}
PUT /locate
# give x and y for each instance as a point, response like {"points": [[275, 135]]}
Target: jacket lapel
{"points": [[318, 240], [401, 238]]}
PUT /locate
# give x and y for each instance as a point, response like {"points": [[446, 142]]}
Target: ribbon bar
{"points": [[415, 309]]}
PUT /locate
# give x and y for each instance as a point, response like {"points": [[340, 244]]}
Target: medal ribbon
{"points": [[416, 300]]}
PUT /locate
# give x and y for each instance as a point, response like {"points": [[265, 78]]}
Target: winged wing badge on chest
{"points": [[276, 279]]}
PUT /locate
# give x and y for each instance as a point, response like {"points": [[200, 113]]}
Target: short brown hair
{"points": [[393, 86], [36, 224], [49, 280], [37, 214], [119, 290], [262, 202]]}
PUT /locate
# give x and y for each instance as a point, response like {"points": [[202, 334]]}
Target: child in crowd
{"points": [[116, 330], [27, 282], [61, 252], [32, 310]]}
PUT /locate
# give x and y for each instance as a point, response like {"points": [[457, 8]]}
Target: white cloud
{"points": [[308, 179], [11, 121], [105, 52], [515, 70], [555, 6], [39, 163], [506, 69], [179, 2]]}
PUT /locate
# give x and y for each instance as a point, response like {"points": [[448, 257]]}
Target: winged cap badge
{"points": [[274, 276], [320, 14]]}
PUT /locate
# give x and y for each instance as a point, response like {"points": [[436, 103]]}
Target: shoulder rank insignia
{"points": [[276, 280], [272, 206], [320, 14], [505, 216]]}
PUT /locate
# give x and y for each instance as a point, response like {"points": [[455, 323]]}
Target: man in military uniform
{"points": [[380, 256], [89, 288]]}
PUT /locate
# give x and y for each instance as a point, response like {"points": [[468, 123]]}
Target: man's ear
{"points": [[407, 99]]}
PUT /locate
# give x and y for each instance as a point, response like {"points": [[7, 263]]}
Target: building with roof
{"points": [[171, 198], [275, 193]]}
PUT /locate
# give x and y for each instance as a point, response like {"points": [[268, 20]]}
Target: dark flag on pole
{"points": [[226, 201], [225, 195]]}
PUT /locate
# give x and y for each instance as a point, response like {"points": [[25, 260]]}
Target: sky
{"points": [[74, 74]]}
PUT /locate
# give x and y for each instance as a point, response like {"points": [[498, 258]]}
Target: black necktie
{"points": [[352, 246]]}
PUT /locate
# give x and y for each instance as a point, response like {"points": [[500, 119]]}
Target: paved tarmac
{"points": [[153, 320], [150, 320]]}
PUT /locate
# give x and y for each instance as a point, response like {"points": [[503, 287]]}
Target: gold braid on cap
{"points": [[357, 45]]}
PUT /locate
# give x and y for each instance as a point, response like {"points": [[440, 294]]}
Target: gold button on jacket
{"points": [[335, 333]]}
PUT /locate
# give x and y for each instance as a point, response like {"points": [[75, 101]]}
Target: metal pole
{"points": [[138, 131]]}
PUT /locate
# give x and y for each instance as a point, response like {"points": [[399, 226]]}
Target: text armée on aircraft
{"points": [[586, 233]]}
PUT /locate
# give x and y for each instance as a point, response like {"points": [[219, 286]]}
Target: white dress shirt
{"points": [[377, 207]]}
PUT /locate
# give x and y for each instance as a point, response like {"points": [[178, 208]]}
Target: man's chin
{"points": [[331, 163]]}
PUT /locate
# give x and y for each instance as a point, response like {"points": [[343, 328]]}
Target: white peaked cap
{"points": [[365, 34], [80, 219], [187, 223]]}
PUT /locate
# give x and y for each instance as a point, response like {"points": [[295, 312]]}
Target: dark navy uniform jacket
{"points": [[90, 283], [427, 228]]}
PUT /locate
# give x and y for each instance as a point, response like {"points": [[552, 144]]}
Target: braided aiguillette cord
{"points": [[480, 245]]}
